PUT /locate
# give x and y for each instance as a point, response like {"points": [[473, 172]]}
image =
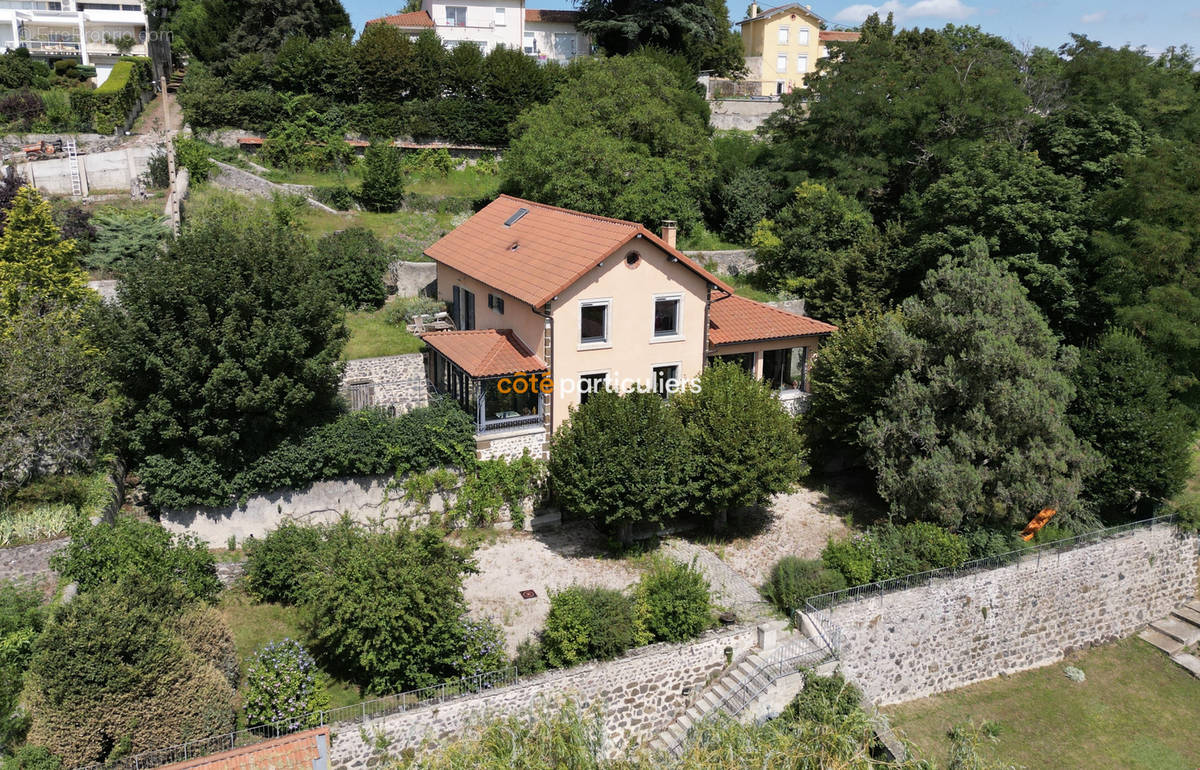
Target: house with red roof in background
{"points": [[538, 292], [543, 34]]}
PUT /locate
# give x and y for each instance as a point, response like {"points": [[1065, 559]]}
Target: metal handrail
{"points": [[365, 711]]}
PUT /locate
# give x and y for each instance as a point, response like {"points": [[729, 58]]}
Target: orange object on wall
{"points": [[1037, 523]]}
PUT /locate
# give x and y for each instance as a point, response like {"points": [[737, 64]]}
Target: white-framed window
{"points": [[665, 379], [530, 42], [781, 63], [456, 16], [783, 35], [565, 45], [594, 322], [778, 87], [501, 17], [802, 36], [668, 316], [802, 64]]}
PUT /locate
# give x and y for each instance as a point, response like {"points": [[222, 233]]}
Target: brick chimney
{"points": [[753, 10], [668, 232]]}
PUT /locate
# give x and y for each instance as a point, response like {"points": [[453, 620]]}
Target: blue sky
{"points": [[1154, 24]]}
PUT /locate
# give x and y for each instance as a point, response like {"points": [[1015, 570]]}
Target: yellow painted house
{"points": [[782, 45]]}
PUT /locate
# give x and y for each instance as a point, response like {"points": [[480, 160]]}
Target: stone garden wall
{"points": [[737, 262], [512, 444], [395, 383], [951, 632], [412, 279], [640, 693]]}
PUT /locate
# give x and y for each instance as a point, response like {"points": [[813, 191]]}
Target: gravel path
{"points": [[25, 562], [730, 591]]}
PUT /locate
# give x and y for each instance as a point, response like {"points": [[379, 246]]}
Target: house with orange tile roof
{"points": [[543, 34], [543, 294], [307, 750]]}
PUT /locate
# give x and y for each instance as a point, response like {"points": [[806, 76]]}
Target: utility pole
{"points": [[173, 202]]}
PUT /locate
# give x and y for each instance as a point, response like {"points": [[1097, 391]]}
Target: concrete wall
{"points": [[100, 171], [397, 383], [909, 644], [411, 279], [740, 114], [640, 693]]}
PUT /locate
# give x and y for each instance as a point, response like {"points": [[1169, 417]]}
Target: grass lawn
{"points": [[1136, 709], [703, 240], [371, 335], [743, 288], [254, 625], [459, 183]]}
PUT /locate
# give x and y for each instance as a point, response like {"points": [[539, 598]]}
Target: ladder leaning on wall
{"points": [[73, 167]]}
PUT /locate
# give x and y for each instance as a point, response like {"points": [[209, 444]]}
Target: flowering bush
{"points": [[283, 684], [483, 647]]}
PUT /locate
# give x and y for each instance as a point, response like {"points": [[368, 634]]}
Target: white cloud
{"points": [[1094, 18], [952, 10]]}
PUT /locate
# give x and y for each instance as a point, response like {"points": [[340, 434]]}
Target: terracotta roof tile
{"points": [[737, 319], [291, 752], [839, 36], [414, 20], [555, 17], [543, 252], [485, 352]]}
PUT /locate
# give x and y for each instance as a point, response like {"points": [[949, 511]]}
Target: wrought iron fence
{"points": [[365, 711], [819, 608]]}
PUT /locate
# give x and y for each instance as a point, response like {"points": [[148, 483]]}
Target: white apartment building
{"points": [[546, 35], [74, 29]]}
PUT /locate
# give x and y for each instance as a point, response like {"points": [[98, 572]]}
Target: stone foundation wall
{"points": [[740, 114], [512, 444], [412, 279], [738, 262], [396, 383], [640, 693], [954, 631]]}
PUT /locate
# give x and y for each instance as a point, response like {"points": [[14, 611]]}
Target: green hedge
{"points": [[117, 95]]}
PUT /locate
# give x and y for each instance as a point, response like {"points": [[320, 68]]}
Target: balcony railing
{"points": [[50, 46]]}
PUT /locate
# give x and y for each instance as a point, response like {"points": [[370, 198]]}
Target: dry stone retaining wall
{"points": [[640, 694], [737, 262], [511, 445], [954, 631]]}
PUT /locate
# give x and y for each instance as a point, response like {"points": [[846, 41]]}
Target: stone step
{"points": [[1194, 604], [685, 721], [677, 732], [1189, 662], [1187, 614], [1161, 641], [1177, 629]]}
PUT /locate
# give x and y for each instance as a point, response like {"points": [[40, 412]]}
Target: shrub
{"points": [[588, 624], [673, 601], [158, 175], [353, 262], [530, 658], [892, 551], [825, 700], [338, 196], [283, 684], [21, 620], [494, 484], [275, 565], [383, 179], [104, 553], [382, 608], [21, 106], [192, 154], [792, 580], [306, 143], [402, 310], [118, 94], [482, 647], [204, 631], [31, 758], [124, 236], [41, 523], [110, 675]]}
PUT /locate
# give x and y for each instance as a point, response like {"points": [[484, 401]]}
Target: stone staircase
{"points": [[1176, 633], [757, 685]]}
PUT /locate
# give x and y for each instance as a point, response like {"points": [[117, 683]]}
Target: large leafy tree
{"points": [[1149, 255], [1125, 410], [745, 447], [824, 247], [1029, 216], [221, 30], [221, 348], [621, 460], [696, 29], [883, 115], [974, 428], [623, 138]]}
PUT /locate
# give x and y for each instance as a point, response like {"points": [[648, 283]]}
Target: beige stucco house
{"points": [[782, 46], [539, 294]]}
